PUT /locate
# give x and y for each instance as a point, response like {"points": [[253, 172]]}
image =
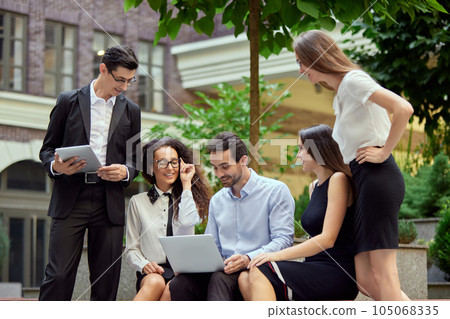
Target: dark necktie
{"points": [[153, 196], [169, 231]]}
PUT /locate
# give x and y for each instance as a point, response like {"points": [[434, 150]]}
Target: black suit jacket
{"points": [[70, 124]]}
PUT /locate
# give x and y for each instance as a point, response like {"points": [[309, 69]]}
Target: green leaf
{"points": [[161, 33], [309, 7], [155, 4], [238, 29], [197, 27], [272, 6], [264, 50], [173, 27], [127, 5], [226, 17], [280, 39], [327, 23], [290, 14], [436, 5], [206, 24]]}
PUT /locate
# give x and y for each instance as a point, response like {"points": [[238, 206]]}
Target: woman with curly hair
{"points": [[177, 200]]}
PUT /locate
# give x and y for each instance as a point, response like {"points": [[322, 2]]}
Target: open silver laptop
{"points": [[192, 253]]}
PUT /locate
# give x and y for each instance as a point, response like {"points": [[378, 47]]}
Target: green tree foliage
{"points": [[440, 247], [270, 23], [229, 111], [428, 190], [413, 59], [278, 19]]}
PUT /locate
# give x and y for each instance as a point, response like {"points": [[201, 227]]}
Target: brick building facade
{"points": [[47, 46]]}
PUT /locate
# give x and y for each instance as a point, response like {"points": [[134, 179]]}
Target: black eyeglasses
{"points": [[122, 82], [165, 163]]}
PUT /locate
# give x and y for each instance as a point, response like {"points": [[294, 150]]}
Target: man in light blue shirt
{"points": [[250, 215]]}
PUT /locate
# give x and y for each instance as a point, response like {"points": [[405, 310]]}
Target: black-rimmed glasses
{"points": [[122, 82], [165, 163]]}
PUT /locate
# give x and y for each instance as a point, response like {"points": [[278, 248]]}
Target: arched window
{"points": [[25, 175]]}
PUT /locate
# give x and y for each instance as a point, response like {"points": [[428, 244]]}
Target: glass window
{"points": [[37, 250], [102, 41], [12, 51], [28, 233], [60, 58], [16, 249], [151, 76], [26, 175]]}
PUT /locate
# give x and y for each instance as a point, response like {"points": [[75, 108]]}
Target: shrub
{"points": [[440, 248], [300, 205], [427, 190], [407, 231], [301, 202]]}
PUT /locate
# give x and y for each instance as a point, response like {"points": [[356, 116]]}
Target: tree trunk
{"points": [[254, 77]]}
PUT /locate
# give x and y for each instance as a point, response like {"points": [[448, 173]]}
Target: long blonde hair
{"points": [[319, 51]]}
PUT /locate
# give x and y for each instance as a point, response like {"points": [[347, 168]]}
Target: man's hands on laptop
{"points": [[152, 267], [236, 263]]}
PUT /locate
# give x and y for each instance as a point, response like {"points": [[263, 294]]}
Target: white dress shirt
{"points": [[101, 112], [146, 222], [359, 122]]}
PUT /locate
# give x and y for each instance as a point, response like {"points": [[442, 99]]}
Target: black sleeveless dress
{"points": [[328, 275]]}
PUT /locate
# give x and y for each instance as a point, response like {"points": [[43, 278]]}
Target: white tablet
{"points": [[83, 152], [192, 253]]}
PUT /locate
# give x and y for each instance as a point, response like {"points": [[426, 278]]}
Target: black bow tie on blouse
{"points": [[154, 195]]}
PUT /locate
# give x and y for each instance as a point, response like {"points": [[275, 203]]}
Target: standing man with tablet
{"points": [[251, 214], [99, 115]]}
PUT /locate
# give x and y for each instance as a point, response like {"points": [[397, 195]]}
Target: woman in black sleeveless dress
{"points": [[328, 271]]}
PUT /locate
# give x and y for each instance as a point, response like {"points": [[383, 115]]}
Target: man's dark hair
{"points": [[228, 141], [120, 56]]}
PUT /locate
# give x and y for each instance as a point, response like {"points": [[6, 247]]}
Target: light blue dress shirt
{"points": [[262, 220]]}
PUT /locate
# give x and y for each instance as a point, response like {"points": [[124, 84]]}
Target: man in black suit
{"points": [[99, 115]]}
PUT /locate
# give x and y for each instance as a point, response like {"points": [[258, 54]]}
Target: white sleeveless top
{"points": [[359, 122]]}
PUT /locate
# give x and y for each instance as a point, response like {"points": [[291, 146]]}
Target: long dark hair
{"points": [[327, 147], [200, 187]]}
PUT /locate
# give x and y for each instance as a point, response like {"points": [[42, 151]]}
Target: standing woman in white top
{"points": [[178, 189], [366, 138]]}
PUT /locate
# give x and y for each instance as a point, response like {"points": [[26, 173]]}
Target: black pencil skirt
{"points": [[380, 190]]}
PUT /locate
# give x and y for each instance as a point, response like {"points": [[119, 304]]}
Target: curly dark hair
{"points": [[200, 188]]}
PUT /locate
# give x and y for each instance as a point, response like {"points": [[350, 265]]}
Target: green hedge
{"points": [[440, 247]]}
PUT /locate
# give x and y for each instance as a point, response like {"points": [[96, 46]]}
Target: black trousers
{"points": [[66, 243], [216, 286]]}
